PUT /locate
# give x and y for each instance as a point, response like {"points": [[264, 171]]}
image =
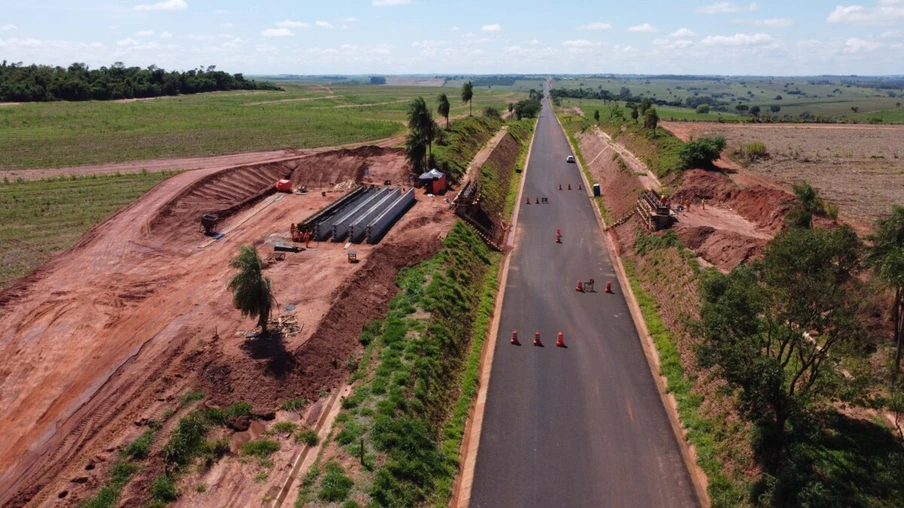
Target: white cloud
{"points": [[534, 42], [323, 24], [390, 3], [885, 12], [350, 19], [738, 40], [854, 46], [195, 37], [222, 11], [726, 7], [277, 32], [115, 27], [770, 23], [581, 44], [646, 27], [682, 33], [166, 35], [226, 25], [453, 29], [495, 27], [144, 33], [595, 26], [893, 35], [167, 5], [293, 24], [127, 42], [8, 27]]}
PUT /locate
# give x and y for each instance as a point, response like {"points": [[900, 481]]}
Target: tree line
{"points": [[43, 83]]}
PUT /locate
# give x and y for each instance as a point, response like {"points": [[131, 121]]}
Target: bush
{"points": [[295, 404], [749, 153], [335, 485], [221, 416], [164, 489], [139, 448], [491, 112], [700, 153], [284, 427], [262, 448], [308, 437], [186, 440], [703, 109]]}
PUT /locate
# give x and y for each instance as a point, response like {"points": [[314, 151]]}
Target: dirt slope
{"points": [[110, 331]]}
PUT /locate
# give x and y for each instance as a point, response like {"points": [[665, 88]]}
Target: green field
{"points": [[60, 134], [588, 106], [38, 219], [830, 98]]}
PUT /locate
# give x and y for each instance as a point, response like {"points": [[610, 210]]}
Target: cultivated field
{"points": [[859, 168], [798, 95], [48, 135]]}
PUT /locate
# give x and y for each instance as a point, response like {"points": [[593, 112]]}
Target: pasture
{"points": [[61, 134]]}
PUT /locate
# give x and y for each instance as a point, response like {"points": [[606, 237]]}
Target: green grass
{"points": [[524, 132], [284, 427], [44, 135], [467, 137], [261, 448], [39, 219], [108, 496], [140, 448], [308, 437], [335, 485]]}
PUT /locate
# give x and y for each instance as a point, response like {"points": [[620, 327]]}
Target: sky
{"points": [[769, 37]]}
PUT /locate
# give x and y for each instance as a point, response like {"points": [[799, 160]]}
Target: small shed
{"points": [[434, 181]]}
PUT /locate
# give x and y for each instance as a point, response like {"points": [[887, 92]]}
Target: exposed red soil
{"points": [[112, 330]]}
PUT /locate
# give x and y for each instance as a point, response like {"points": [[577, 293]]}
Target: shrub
{"points": [[164, 489], [186, 440], [308, 437], [335, 485], [284, 427], [491, 112], [191, 397], [749, 153], [703, 109], [700, 153], [261, 448], [221, 416], [295, 404], [139, 448]]}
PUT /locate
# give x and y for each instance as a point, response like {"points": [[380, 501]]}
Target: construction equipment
{"points": [[208, 222], [352, 256], [654, 211]]}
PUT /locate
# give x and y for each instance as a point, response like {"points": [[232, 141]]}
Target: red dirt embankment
{"points": [[111, 331]]}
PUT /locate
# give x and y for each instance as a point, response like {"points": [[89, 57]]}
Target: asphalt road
{"points": [[582, 426]]}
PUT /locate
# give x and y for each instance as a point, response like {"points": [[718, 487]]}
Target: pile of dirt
{"points": [[722, 248], [618, 182], [367, 164]]}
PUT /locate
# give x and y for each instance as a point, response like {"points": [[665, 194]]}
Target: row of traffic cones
{"points": [[560, 340], [579, 287], [580, 187]]}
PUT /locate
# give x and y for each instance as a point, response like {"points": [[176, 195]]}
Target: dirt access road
{"points": [[582, 425], [111, 331]]}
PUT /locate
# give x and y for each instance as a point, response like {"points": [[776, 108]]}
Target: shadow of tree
{"points": [[272, 349]]}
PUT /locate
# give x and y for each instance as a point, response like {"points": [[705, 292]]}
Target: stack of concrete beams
{"points": [[341, 225], [358, 229], [323, 228], [382, 222]]}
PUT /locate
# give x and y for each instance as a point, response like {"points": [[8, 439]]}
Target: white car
{"points": [[570, 158]]}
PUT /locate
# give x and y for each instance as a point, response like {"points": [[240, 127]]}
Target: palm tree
{"points": [[467, 93], [443, 108], [886, 255], [251, 292]]}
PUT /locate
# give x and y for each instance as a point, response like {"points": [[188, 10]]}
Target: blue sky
{"points": [[769, 37]]}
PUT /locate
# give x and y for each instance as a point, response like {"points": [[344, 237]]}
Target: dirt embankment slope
{"points": [[111, 331]]}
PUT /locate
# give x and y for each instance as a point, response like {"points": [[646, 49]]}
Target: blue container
{"points": [[596, 190]]}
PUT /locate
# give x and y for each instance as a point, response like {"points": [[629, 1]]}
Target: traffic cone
{"points": [[527, 201], [536, 201], [580, 187], [569, 186], [560, 342], [580, 286], [560, 186], [609, 287], [558, 238], [537, 339], [515, 338]]}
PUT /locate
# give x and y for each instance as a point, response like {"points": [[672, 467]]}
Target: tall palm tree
{"points": [[467, 93], [421, 124], [251, 292], [886, 256], [443, 108]]}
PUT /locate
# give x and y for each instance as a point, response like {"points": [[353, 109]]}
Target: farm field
{"points": [[829, 98], [859, 168], [42, 218], [588, 106], [303, 116]]}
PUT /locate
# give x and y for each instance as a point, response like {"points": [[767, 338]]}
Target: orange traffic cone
{"points": [[558, 238], [515, 338], [569, 186], [537, 339], [560, 186], [609, 287], [560, 342], [580, 286], [527, 201], [536, 201], [580, 187]]}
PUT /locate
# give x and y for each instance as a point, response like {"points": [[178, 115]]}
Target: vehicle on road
{"points": [[570, 158]]}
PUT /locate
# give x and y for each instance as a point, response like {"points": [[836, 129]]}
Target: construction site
{"points": [[103, 338]]}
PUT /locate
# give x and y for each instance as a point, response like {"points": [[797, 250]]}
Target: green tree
{"points": [[777, 330], [596, 115], [651, 119], [742, 109], [755, 111], [511, 107], [251, 293], [775, 108], [467, 94], [700, 153], [635, 113], [886, 256], [443, 107], [703, 109], [645, 106], [491, 112], [808, 204], [422, 130]]}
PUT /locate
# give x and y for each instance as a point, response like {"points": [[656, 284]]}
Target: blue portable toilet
{"points": [[596, 190]]}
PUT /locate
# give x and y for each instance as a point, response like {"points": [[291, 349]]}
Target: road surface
{"points": [[582, 426]]}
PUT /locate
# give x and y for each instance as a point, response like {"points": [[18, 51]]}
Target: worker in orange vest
{"points": [[307, 239]]}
